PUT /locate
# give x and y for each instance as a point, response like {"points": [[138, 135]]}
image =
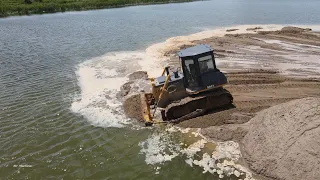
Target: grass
{"points": [[27, 7]]}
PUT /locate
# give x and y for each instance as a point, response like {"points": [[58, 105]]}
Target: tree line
{"points": [[27, 7]]}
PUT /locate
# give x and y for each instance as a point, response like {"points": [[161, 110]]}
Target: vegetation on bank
{"points": [[27, 7]]}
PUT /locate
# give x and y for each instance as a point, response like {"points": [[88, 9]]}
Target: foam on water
{"points": [[158, 148], [165, 145], [100, 80]]}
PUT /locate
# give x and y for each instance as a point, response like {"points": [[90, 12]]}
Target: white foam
{"points": [[151, 64], [228, 149], [93, 103], [194, 148], [100, 80], [158, 148], [162, 147], [208, 164]]}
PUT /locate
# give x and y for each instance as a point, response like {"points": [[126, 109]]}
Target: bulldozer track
{"points": [[205, 101]]}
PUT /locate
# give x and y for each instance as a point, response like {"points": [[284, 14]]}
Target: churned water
{"points": [[60, 73]]}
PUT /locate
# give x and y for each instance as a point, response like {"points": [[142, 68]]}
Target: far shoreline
{"points": [[31, 11]]}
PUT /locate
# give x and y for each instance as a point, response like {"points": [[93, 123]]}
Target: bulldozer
{"points": [[188, 91]]}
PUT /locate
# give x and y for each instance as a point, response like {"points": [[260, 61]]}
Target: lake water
{"points": [[59, 75]]}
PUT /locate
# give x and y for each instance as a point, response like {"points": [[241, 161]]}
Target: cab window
{"points": [[190, 72], [205, 64]]}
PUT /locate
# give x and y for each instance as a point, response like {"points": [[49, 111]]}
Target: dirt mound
{"points": [[138, 82], [132, 107], [124, 89], [130, 94], [230, 30], [291, 29], [291, 34], [138, 75], [253, 29], [284, 141]]}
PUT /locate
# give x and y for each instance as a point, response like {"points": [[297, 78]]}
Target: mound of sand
{"points": [[132, 107], [291, 29], [284, 141], [130, 93]]}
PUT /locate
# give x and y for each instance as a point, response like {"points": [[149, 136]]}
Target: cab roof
{"points": [[195, 50]]}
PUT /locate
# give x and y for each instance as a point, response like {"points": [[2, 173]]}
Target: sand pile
{"points": [[132, 107], [284, 141], [291, 29], [130, 93]]}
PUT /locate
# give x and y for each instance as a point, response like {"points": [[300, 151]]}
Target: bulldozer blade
{"points": [[146, 101]]}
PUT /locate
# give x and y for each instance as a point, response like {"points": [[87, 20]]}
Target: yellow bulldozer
{"points": [[188, 91]]}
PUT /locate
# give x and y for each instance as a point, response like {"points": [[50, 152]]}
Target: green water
{"points": [[59, 75]]}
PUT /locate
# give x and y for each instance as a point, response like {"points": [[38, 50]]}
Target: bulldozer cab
{"points": [[199, 69]]}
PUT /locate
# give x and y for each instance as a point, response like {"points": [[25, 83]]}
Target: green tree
{"points": [[27, 1]]}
